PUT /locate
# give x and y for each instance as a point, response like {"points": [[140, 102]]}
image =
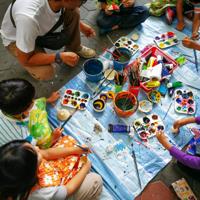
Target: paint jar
{"points": [[134, 89], [125, 104], [122, 59], [93, 69], [118, 88], [99, 105]]}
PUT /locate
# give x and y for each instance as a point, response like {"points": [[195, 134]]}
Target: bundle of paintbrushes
{"points": [[133, 75], [119, 78]]}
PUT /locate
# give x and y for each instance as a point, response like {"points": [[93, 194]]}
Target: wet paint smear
{"points": [[178, 100], [146, 120], [154, 117], [160, 128]]}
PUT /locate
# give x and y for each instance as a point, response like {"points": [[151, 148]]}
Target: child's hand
{"points": [[107, 11], [163, 139], [54, 97], [128, 3], [87, 30], [56, 135], [176, 126], [87, 165]]}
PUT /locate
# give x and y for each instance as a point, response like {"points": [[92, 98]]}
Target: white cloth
{"points": [[49, 193], [33, 18]]}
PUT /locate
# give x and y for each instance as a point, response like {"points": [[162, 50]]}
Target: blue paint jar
{"points": [[122, 60], [93, 69]]}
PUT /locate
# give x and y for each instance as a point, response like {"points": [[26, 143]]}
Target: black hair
{"points": [[18, 167], [16, 96], [195, 1]]}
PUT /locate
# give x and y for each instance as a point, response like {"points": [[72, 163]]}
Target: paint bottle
{"points": [[171, 91], [159, 59], [152, 61], [152, 84], [118, 128], [175, 84]]}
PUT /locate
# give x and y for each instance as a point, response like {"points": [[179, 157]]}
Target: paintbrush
{"points": [[62, 126], [113, 45], [97, 88], [196, 61], [113, 54], [136, 167], [81, 147], [100, 90]]}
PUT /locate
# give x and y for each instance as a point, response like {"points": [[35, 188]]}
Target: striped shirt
{"points": [[196, 6], [11, 129]]}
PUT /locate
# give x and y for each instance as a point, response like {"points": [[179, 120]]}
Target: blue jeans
{"points": [[126, 18]]}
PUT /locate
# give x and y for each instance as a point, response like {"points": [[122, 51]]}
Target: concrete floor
{"points": [[10, 68]]}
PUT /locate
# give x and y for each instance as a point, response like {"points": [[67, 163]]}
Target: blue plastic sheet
{"points": [[117, 168]]}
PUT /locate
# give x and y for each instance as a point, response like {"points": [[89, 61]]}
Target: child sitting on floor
{"points": [[17, 105], [188, 6], [184, 158], [115, 14], [160, 7], [60, 173]]}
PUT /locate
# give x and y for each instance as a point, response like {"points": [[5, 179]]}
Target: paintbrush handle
{"points": [[137, 171], [62, 126], [83, 148], [113, 45]]}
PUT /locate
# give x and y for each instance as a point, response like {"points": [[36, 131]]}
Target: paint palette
{"points": [[147, 126], [127, 43], [184, 102], [166, 40], [75, 99]]}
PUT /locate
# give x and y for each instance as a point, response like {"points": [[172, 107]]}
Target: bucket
{"points": [[93, 69], [123, 60], [125, 104]]}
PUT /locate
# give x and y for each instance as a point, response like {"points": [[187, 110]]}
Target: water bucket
{"points": [[93, 69], [123, 60], [125, 104]]}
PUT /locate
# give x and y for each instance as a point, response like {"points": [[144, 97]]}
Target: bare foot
{"points": [[180, 26], [189, 43]]}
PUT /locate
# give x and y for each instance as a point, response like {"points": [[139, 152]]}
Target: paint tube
{"points": [[118, 128]]}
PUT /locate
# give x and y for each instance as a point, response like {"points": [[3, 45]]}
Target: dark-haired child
{"points": [[126, 16], [28, 172], [18, 105]]}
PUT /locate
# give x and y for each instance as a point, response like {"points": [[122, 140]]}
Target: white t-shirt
{"points": [[32, 18]]}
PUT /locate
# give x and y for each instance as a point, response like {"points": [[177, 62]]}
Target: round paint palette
{"points": [[184, 102], [75, 99], [154, 96], [166, 40], [147, 126], [127, 43], [145, 106]]}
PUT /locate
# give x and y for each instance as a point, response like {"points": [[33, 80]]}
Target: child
{"points": [[189, 6], [18, 106], [189, 43], [160, 7], [184, 158], [22, 166], [126, 16]]}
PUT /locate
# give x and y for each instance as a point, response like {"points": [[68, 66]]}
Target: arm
{"points": [[186, 159], [77, 180], [58, 152], [25, 43], [177, 124]]}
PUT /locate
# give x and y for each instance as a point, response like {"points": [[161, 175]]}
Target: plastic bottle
{"points": [[175, 84]]}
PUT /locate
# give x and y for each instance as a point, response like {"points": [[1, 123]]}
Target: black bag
{"points": [[51, 40]]}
